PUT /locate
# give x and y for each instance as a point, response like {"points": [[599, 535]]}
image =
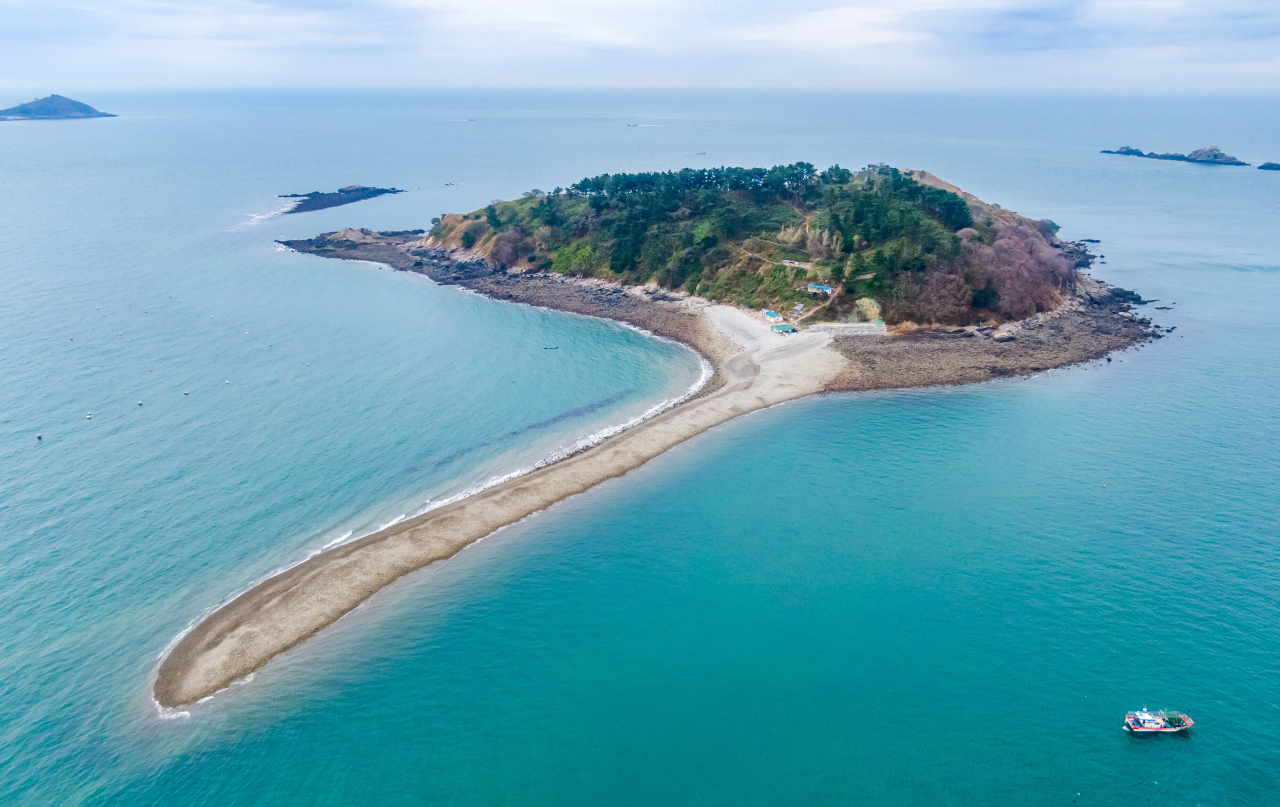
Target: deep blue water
{"points": [[920, 597]]}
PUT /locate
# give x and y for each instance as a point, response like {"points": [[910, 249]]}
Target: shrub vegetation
{"points": [[724, 234]]}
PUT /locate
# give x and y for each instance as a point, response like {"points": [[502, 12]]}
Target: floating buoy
{"points": [[186, 393], [139, 403], [39, 437], [228, 382]]}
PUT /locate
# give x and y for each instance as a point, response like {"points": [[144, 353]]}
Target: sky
{"points": [[979, 45]]}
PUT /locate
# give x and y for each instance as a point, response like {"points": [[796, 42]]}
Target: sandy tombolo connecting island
{"points": [[888, 278]]}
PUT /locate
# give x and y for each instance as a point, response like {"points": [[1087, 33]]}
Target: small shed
{"points": [[815, 288], [772, 316], [785, 327]]}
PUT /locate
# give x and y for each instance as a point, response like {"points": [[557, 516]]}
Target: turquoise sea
{"points": [[943, 596]]}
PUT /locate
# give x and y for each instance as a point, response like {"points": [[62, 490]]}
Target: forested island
{"points": [[759, 237], [54, 107], [1211, 155], [319, 200]]}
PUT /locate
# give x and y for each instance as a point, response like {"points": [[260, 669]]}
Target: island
{"points": [[788, 282], [1211, 155], [1269, 167], [318, 200], [55, 107]]}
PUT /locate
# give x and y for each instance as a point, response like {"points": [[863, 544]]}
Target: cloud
{"points": [[923, 44], [833, 29], [627, 24]]}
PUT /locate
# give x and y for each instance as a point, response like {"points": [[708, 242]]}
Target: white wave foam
{"points": [[392, 522], [256, 218], [344, 536], [173, 714]]}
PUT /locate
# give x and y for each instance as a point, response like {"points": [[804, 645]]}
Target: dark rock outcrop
{"points": [[318, 200], [1210, 155]]}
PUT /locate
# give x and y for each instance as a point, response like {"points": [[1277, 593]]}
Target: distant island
{"points": [[787, 281], [55, 107], [317, 200], [1269, 167], [1212, 155]]}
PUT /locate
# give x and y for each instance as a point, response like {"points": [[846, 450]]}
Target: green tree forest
{"points": [[756, 237]]}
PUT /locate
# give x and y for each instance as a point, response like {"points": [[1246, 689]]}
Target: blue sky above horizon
{"points": [[1126, 45]]}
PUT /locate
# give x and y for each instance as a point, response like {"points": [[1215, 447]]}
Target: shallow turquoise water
{"points": [[916, 597]]}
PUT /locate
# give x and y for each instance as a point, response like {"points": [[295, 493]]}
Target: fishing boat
{"points": [[1148, 722]]}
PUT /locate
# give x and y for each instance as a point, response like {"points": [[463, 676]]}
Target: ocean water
{"points": [[944, 596]]}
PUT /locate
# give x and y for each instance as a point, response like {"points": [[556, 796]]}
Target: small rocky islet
{"points": [[320, 200], [1210, 155]]}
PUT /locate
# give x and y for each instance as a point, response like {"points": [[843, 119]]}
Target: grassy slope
{"points": [[922, 251]]}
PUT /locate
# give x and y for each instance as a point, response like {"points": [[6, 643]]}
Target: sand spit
{"points": [[754, 368], [285, 610]]}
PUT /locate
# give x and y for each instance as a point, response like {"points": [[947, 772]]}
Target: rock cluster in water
{"points": [[318, 200], [1212, 155]]}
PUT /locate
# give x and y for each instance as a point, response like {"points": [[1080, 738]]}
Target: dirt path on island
{"points": [[284, 611]]}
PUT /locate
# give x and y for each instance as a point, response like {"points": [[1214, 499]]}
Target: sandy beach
{"points": [[280, 613]]}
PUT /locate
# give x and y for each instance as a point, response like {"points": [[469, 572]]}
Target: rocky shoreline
{"points": [[1210, 155], [672, 315], [1094, 321]]}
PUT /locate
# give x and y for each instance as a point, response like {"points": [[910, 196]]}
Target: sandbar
{"points": [[285, 610]]}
